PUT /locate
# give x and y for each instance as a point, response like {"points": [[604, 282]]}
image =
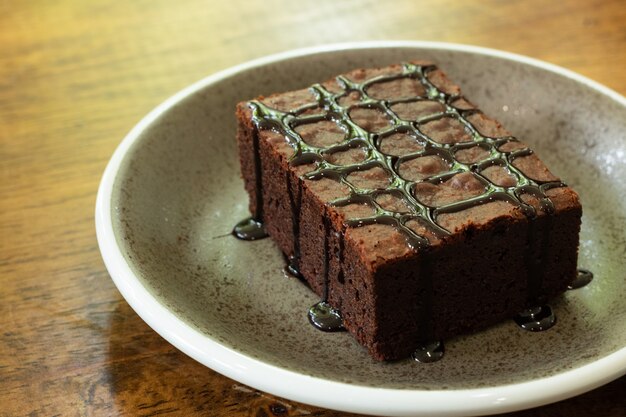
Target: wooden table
{"points": [[75, 76]]}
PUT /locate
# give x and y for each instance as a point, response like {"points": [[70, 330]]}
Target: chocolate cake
{"points": [[413, 215]]}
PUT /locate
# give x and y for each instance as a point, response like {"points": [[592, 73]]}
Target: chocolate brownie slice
{"points": [[402, 205]]}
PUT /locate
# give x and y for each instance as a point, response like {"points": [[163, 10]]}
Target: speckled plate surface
{"points": [[172, 193]]}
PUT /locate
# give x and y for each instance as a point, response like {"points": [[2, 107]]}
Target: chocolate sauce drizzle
{"points": [[285, 123], [536, 319], [542, 317], [328, 108], [326, 318], [583, 277], [249, 229], [429, 352], [295, 202], [322, 315], [252, 228]]}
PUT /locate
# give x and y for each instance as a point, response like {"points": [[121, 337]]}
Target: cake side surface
{"points": [[405, 207]]}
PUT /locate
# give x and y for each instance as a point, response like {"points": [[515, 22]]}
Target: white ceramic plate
{"points": [[171, 194]]}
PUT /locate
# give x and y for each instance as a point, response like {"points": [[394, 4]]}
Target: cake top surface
{"points": [[404, 159]]}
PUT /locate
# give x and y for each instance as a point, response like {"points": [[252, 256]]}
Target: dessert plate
{"points": [[172, 193]]}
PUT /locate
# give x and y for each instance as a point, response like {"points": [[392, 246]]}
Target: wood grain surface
{"points": [[75, 76]]}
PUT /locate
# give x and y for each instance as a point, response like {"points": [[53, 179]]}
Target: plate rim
{"points": [[315, 390]]}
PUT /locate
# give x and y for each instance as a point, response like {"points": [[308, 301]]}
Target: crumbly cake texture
{"points": [[414, 214]]}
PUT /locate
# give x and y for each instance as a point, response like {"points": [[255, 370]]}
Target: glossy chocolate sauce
{"points": [[536, 319], [249, 229], [295, 201], [252, 228], [541, 317], [429, 352], [583, 277], [322, 315]]}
